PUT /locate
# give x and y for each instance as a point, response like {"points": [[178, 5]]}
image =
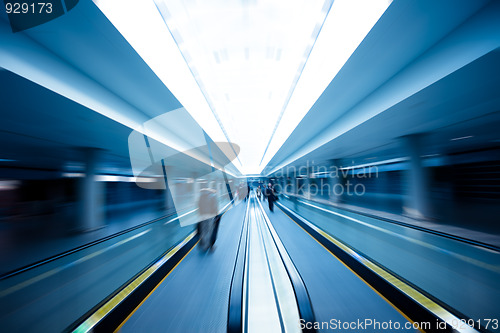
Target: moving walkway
{"points": [[270, 271]]}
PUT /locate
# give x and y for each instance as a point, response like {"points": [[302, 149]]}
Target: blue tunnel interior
{"points": [[250, 166]]}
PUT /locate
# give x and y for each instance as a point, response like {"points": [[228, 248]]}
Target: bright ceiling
{"points": [[248, 71]]}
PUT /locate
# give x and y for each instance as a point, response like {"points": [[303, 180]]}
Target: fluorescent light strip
{"points": [[160, 6], [359, 166], [347, 24], [296, 80], [48, 71], [143, 27], [245, 77], [200, 85], [462, 138]]}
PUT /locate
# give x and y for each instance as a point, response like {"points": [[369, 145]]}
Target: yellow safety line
{"points": [[59, 269], [414, 294], [104, 310], [349, 268], [152, 291], [478, 263]]}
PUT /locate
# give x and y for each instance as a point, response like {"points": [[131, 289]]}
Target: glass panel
{"points": [[440, 266], [50, 297]]}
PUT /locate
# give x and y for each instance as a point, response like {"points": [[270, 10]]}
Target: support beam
{"points": [[417, 198], [90, 194], [335, 181]]}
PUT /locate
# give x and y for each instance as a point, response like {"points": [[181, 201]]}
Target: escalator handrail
{"points": [[401, 293], [92, 243], [113, 311], [80, 248], [304, 304], [408, 225], [235, 306]]}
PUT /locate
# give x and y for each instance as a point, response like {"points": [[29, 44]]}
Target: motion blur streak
{"points": [[240, 165]]}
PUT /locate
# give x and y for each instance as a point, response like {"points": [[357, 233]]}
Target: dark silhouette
{"points": [[207, 209], [214, 231], [271, 196], [258, 191]]}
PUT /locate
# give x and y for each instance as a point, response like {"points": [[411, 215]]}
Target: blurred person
{"points": [[207, 208], [258, 191], [213, 237], [271, 196]]}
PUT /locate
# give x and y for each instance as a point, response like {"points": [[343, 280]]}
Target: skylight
{"points": [[247, 71]]}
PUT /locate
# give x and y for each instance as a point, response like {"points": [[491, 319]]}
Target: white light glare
{"points": [[239, 61], [347, 24], [142, 26], [462, 138], [246, 58]]}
